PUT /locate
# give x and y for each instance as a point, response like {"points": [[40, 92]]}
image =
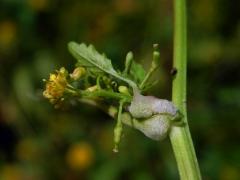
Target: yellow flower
{"points": [[8, 34], [38, 5], [56, 85]]}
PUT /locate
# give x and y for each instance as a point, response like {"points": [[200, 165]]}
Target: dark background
{"points": [[40, 142]]}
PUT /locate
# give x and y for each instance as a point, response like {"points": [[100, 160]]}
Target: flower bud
{"points": [[146, 106], [92, 88], [128, 62], [77, 73], [156, 55], [123, 89]]}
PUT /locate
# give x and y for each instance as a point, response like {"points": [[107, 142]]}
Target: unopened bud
{"points": [[156, 55], [155, 46], [128, 62], [123, 89], [92, 88], [77, 73]]}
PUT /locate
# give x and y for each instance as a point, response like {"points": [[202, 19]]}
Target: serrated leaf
{"points": [[137, 72], [89, 57]]}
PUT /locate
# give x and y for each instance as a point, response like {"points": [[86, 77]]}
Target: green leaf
{"points": [[137, 72], [89, 57]]}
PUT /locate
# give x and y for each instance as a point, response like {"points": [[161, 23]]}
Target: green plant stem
{"points": [[147, 77], [105, 94], [180, 136], [112, 111], [154, 66]]}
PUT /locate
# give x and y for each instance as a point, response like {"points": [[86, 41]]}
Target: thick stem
{"points": [[180, 136]]}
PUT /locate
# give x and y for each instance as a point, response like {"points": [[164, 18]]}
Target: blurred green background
{"points": [[39, 142]]}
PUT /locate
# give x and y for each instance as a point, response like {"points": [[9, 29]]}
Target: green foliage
{"points": [[115, 27], [88, 57], [100, 68], [133, 74], [137, 72], [90, 63], [133, 70]]}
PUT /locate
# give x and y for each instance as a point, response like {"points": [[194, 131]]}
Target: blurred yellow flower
{"points": [[11, 172], [28, 150], [126, 6], [56, 85], [8, 32], [38, 5], [229, 172], [80, 156]]}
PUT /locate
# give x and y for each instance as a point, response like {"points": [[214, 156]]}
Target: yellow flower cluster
{"points": [[56, 85]]}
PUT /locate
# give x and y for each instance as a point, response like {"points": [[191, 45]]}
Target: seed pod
{"points": [[139, 107], [146, 106], [156, 127], [151, 115]]}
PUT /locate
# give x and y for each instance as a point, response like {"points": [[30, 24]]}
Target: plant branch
{"points": [[147, 77], [154, 66], [180, 136], [112, 111], [105, 94]]}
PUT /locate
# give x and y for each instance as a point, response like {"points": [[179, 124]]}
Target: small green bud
{"points": [[118, 128], [128, 62], [77, 73], [156, 55], [124, 90], [155, 47], [129, 56], [92, 88], [117, 136]]}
